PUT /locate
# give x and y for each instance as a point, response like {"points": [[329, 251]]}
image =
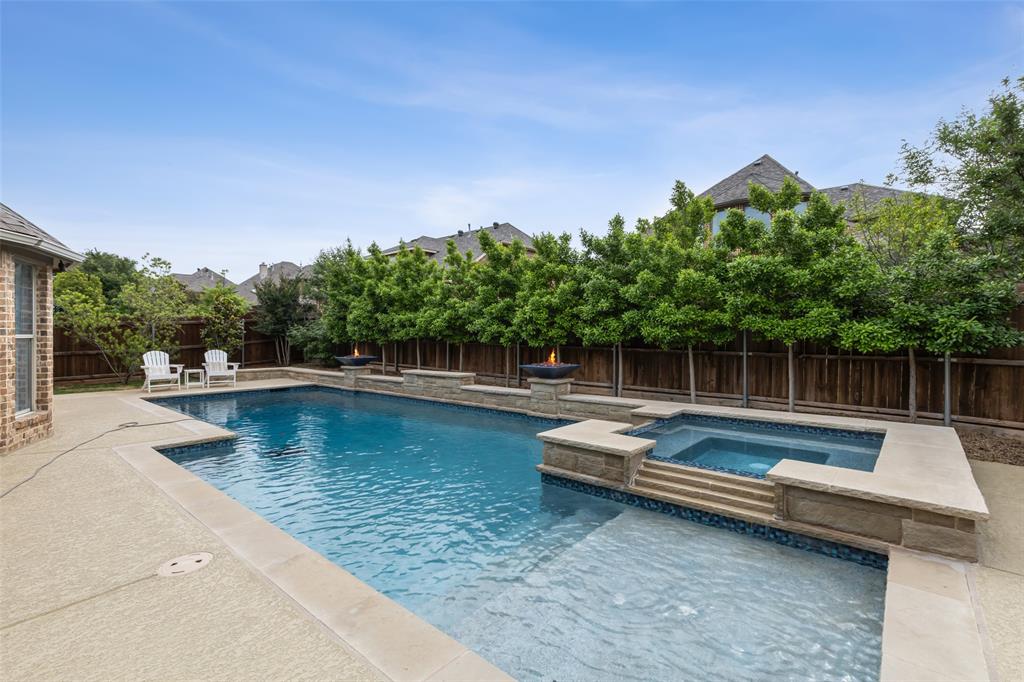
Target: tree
{"points": [[978, 161], [681, 295], [412, 281], [797, 279], [608, 266], [144, 315], [280, 307], [939, 297], [223, 313], [498, 279], [546, 300], [367, 318], [113, 271], [689, 218], [450, 311], [337, 280]]}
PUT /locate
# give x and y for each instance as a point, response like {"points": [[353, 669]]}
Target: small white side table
{"points": [[200, 375]]}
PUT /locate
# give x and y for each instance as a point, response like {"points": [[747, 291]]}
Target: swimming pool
{"points": [[441, 509], [752, 448]]}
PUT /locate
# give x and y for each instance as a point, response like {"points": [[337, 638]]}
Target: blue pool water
{"points": [[753, 448], [441, 509]]}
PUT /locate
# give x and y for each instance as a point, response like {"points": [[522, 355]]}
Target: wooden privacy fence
{"points": [[75, 361], [985, 389]]}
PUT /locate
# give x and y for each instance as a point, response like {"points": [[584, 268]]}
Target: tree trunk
{"points": [[508, 379], [792, 380], [418, 364], [383, 359], [912, 390], [947, 395], [396, 357], [462, 347], [746, 386], [693, 385], [618, 385], [448, 355], [519, 379]]}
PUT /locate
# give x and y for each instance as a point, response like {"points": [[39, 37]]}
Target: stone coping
{"points": [[398, 643], [497, 390], [604, 400], [931, 628], [383, 378], [440, 373], [598, 435]]}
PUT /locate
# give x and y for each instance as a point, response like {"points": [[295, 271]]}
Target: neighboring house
{"points": [[467, 241], [28, 258], [202, 279], [733, 191], [283, 270]]}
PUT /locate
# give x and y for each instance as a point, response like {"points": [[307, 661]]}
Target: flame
{"points": [[551, 358], [356, 352]]}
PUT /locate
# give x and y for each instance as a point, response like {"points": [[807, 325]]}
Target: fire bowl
{"points": [[545, 370], [355, 360]]}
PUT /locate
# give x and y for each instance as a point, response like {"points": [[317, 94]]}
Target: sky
{"points": [[226, 134]]}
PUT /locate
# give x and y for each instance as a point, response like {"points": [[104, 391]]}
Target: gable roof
{"points": [[281, 270], [202, 279], [763, 171], [466, 241], [17, 229], [871, 194]]}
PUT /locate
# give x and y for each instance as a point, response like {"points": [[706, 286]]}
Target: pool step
{"points": [[712, 488]]}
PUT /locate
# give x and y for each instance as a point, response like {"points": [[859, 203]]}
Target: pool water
{"points": [[441, 509], [753, 448]]}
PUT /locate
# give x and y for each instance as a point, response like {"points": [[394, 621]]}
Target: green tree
{"points": [[367, 318], [450, 311], [223, 313], [280, 306], [797, 279], [113, 271], [608, 267], [978, 160], [412, 282], [337, 281], [546, 300], [682, 298], [144, 315], [689, 218], [498, 279]]}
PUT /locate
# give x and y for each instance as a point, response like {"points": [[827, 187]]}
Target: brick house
{"points": [[28, 258]]}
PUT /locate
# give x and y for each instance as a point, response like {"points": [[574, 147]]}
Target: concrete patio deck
{"points": [[81, 543], [82, 540]]}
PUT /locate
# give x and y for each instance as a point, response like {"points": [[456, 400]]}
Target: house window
{"points": [[24, 337]]}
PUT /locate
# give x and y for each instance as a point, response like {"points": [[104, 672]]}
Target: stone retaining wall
{"points": [[912, 528]]}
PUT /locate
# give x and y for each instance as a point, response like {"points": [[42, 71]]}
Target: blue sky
{"points": [[226, 134]]}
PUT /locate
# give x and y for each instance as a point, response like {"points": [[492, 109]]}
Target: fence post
{"points": [[746, 388], [947, 398]]}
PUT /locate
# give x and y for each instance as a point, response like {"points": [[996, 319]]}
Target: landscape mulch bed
{"points": [[990, 447]]}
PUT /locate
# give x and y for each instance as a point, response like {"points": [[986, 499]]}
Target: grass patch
{"points": [[90, 388]]}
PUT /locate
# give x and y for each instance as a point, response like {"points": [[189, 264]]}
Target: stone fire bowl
{"points": [[543, 370], [355, 360]]}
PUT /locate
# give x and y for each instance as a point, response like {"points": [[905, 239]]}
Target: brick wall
{"points": [[17, 431]]}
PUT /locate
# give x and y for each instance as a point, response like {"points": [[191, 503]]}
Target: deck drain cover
{"points": [[183, 565]]}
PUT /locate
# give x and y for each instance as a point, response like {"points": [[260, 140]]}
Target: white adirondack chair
{"points": [[157, 366], [218, 368]]}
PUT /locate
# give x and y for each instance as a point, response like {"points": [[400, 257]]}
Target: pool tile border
{"points": [[163, 401], [836, 431], [783, 537]]}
